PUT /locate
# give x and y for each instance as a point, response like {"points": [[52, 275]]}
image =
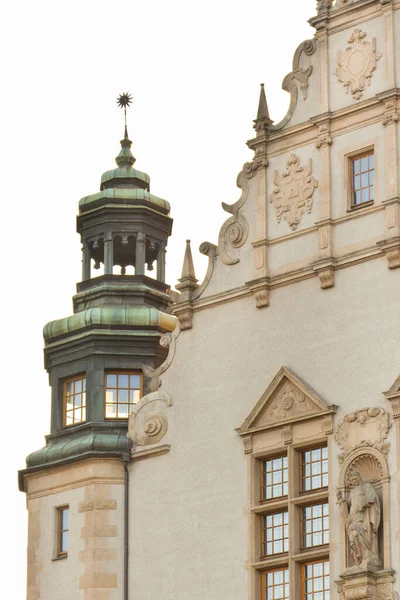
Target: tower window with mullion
{"points": [[75, 400], [123, 389]]}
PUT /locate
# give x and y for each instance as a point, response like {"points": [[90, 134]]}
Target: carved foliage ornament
{"points": [[357, 63], [294, 191]]}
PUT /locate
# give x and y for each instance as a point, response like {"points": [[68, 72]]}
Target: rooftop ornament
{"points": [[125, 157], [123, 101]]}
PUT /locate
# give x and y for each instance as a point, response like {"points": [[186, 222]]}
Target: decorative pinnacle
{"points": [[263, 119], [188, 281], [125, 157], [123, 101]]}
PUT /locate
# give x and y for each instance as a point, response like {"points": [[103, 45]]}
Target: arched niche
{"points": [[372, 466]]}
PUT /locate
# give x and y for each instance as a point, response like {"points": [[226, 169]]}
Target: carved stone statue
{"points": [[362, 514]]}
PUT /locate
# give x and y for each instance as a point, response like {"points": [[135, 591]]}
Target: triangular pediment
{"points": [[287, 399], [395, 389]]}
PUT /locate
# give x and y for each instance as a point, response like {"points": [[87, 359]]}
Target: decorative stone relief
{"points": [[364, 428], [235, 230], [286, 400], [357, 63], [294, 191], [324, 136], [390, 114]]}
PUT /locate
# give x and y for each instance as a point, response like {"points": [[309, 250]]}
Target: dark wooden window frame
{"points": [[263, 531], [302, 521], [262, 472], [60, 510], [352, 159], [302, 489], [120, 372], [304, 579], [264, 576]]}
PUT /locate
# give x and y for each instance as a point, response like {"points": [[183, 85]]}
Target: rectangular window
{"points": [[75, 400], [274, 478], [62, 530], [275, 533], [362, 178], [316, 583], [275, 585], [314, 469], [122, 391], [315, 525]]}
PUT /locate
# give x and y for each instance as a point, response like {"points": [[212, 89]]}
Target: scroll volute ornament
{"points": [[357, 63], [294, 191]]}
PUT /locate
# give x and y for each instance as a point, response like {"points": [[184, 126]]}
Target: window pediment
{"points": [[393, 395], [286, 400]]}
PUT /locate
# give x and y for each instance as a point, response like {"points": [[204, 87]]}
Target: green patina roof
{"points": [[135, 316], [124, 173], [125, 194], [74, 447]]}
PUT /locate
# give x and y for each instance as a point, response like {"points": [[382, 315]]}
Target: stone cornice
{"points": [[288, 278]]}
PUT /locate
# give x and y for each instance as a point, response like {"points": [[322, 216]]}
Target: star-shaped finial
{"points": [[124, 100]]}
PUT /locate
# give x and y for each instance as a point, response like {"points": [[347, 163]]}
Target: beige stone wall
{"points": [[189, 506], [93, 568]]}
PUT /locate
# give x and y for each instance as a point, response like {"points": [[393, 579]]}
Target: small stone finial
{"points": [[125, 158], [187, 281], [263, 112], [263, 119]]}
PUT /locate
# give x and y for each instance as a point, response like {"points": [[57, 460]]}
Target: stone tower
{"points": [[75, 484]]}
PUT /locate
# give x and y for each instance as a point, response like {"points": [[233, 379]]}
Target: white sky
{"points": [[194, 70]]}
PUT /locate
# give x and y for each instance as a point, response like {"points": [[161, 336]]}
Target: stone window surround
{"points": [[288, 418], [294, 502], [349, 157], [59, 554]]}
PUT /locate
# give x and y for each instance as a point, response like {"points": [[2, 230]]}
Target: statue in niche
{"points": [[362, 515]]}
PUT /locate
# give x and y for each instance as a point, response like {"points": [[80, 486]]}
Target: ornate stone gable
{"points": [[287, 399], [294, 191], [357, 63]]}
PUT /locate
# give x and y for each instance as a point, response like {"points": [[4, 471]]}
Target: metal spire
{"points": [[125, 158]]}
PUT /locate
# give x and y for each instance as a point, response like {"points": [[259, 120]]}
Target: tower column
{"points": [[161, 263], [108, 255], [85, 263], [140, 253]]}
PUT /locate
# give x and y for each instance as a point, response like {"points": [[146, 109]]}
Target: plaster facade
{"points": [[289, 343]]}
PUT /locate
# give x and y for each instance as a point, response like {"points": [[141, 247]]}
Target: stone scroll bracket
{"points": [[148, 422], [235, 230]]}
